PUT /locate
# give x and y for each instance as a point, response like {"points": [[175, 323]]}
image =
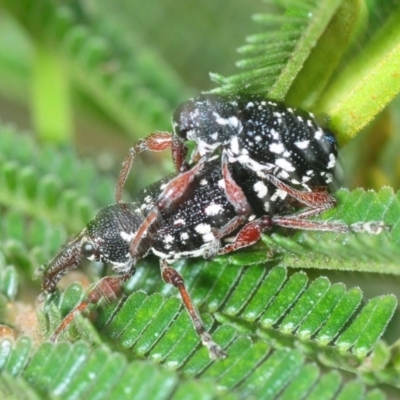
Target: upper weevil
{"points": [[263, 146]]}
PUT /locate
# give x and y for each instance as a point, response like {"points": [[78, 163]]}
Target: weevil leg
{"points": [[179, 152], [319, 201], [248, 235], [155, 142], [236, 197], [108, 288], [297, 221], [171, 276], [172, 192]]}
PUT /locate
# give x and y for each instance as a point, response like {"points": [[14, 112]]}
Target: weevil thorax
{"points": [[109, 234], [263, 136]]}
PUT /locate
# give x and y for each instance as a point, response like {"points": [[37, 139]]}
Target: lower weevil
{"points": [[201, 223]]}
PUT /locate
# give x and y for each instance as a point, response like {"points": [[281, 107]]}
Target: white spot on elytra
{"points": [[274, 134], [266, 206], [179, 221], [278, 194], [283, 175], [203, 229], [284, 164], [329, 178], [208, 237], [184, 236], [168, 239], [261, 189], [318, 134], [214, 136], [213, 209], [277, 148], [232, 121], [332, 161], [303, 144], [258, 138], [127, 236], [235, 145], [221, 184], [203, 182]]}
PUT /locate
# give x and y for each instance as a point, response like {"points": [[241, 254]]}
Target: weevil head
{"points": [[209, 119], [110, 233], [106, 238]]}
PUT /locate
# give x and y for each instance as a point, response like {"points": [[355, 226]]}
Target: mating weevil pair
{"points": [[256, 162]]}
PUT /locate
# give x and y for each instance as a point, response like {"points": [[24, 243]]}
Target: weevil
{"points": [[201, 223]]}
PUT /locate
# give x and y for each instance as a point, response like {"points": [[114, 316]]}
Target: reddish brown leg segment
{"points": [[179, 151], [171, 193], [157, 141], [108, 288], [321, 200], [295, 222], [171, 276], [248, 235], [236, 197]]}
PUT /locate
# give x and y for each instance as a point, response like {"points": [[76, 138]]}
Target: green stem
{"points": [[369, 83]]}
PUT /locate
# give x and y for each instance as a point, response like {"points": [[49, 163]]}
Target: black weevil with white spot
{"points": [[270, 154], [202, 222], [274, 143], [195, 225]]}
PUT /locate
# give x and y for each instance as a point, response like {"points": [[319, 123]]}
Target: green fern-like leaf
{"points": [[357, 252], [113, 375], [324, 319], [276, 56]]}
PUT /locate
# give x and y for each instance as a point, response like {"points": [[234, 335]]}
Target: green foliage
{"points": [[99, 373], [289, 334]]}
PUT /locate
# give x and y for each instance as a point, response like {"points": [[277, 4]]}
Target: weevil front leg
{"points": [[155, 142], [172, 193], [108, 288], [171, 276]]}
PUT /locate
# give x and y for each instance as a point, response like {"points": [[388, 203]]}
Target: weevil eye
{"points": [[89, 251]]}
